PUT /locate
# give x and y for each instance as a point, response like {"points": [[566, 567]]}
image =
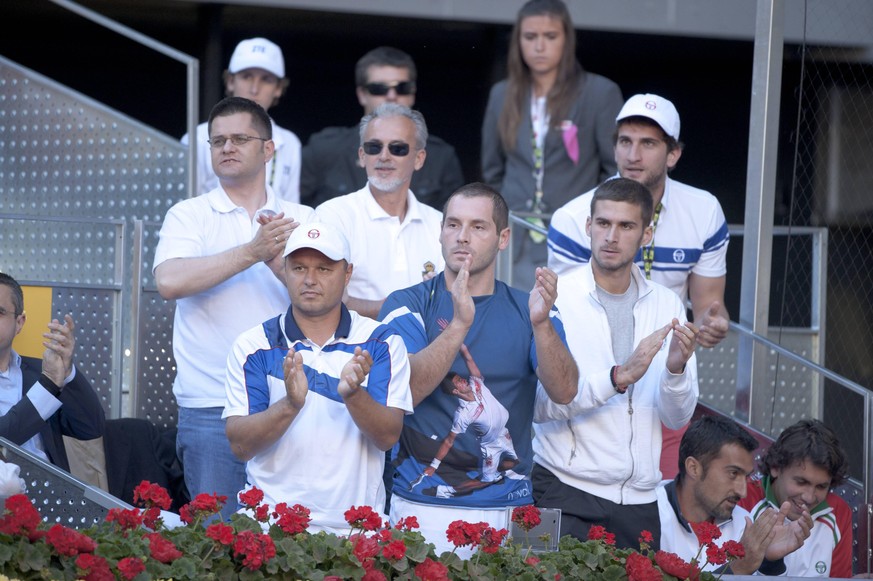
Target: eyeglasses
{"points": [[4, 312], [381, 89], [395, 148], [238, 140]]}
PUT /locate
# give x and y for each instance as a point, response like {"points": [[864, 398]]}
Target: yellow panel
{"points": [[38, 307]]}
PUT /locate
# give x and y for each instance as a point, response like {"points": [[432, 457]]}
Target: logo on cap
{"points": [[314, 233], [651, 105]]}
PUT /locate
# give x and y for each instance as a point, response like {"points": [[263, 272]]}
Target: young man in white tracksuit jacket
{"points": [[597, 457]]}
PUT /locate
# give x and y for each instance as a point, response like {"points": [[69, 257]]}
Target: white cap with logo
{"points": [[257, 53], [656, 108], [325, 238]]}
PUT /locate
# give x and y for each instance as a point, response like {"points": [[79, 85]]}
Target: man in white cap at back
{"points": [[690, 234], [257, 72], [351, 373]]}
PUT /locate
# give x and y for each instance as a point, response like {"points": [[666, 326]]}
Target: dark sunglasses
{"points": [[381, 89], [397, 149]]}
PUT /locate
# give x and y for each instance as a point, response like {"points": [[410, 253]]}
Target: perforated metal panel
{"points": [[63, 154], [58, 496], [796, 389]]}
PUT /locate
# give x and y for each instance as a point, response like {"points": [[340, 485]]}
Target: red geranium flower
{"points": [[734, 549], [220, 532], [126, 518], [461, 533], [645, 537], [532, 561], [430, 570], [374, 575], [596, 532], [526, 517], [93, 568], [715, 555], [21, 517], [291, 520], [491, 539], [394, 551], [255, 548], [151, 517], [640, 568], [148, 494], [365, 547], [363, 518], [407, 523], [162, 549], [706, 531], [69, 542], [251, 497], [130, 567], [672, 564], [203, 505]]}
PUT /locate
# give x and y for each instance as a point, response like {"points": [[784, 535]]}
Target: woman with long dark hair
{"points": [[548, 128]]}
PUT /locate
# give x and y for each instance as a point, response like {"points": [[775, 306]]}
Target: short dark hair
{"points": [[671, 142], [626, 190], [705, 438], [808, 440], [384, 56], [17, 294], [233, 105], [500, 215]]}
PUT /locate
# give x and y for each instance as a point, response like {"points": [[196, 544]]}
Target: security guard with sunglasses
{"points": [[331, 166]]}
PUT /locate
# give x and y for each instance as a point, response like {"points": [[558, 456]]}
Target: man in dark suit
{"points": [[43, 400]]}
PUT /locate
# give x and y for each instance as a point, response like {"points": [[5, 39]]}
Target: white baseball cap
{"points": [[656, 108], [257, 53], [319, 236]]}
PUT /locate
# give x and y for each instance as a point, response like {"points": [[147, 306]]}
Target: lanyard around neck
{"points": [[649, 251]]}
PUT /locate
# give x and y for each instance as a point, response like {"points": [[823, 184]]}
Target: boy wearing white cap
{"points": [[688, 249], [317, 394], [257, 72]]}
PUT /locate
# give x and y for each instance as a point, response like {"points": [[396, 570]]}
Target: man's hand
{"points": [[269, 241], [681, 346], [57, 360], [789, 535], [714, 326], [638, 363], [756, 537], [543, 295], [296, 384], [354, 372], [462, 302]]}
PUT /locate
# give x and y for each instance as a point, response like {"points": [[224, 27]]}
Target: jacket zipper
{"points": [[630, 416]]}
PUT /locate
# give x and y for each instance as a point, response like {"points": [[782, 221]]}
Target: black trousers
{"points": [[581, 510]]}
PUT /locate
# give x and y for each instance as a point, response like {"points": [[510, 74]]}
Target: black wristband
{"points": [[49, 385], [772, 567]]}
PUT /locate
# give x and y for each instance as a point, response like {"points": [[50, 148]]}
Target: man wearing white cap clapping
{"points": [[316, 394]]}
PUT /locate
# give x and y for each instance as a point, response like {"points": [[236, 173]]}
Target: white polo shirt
{"points": [[283, 171], [387, 254], [206, 324], [691, 236]]}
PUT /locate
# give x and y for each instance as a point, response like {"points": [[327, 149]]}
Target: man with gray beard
{"points": [[394, 238]]}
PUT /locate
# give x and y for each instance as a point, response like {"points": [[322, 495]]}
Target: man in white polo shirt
{"points": [[351, 373], [690, 237], [393, 237]]}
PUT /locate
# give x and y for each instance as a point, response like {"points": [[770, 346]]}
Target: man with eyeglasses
{"points": [[394, 237], [220, 258], [331, 165], [43, 400], [257, 72]]}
